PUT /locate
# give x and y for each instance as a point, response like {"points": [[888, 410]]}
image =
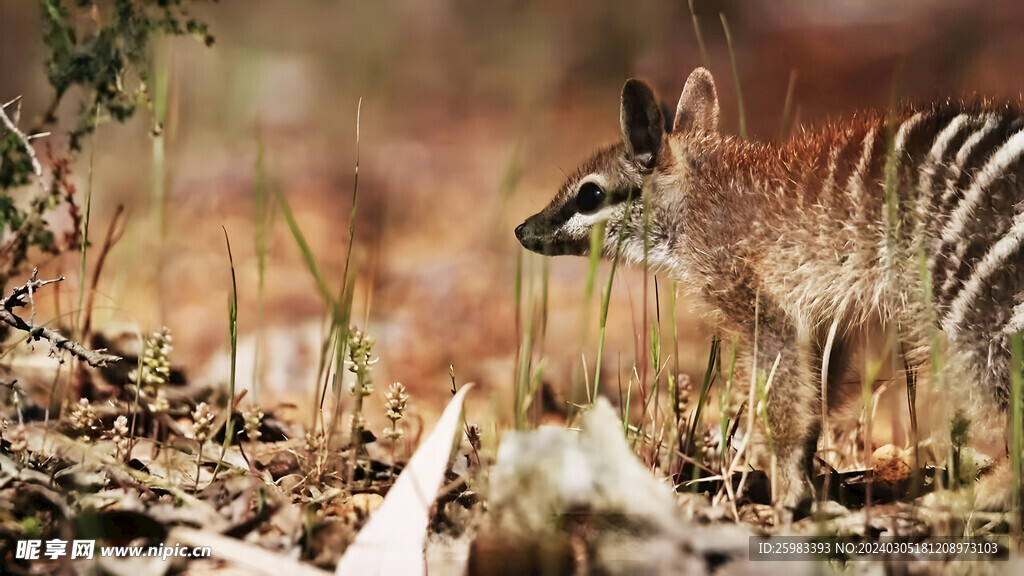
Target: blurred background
{"points": [[471, 114]]}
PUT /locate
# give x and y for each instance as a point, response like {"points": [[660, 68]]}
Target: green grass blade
{"points": [[341, 322], [1017, 427], [263, 212], [510, 180], [596, 248], [673, 377], [735, 77], [545, 281], [312, 264], [531, 318], [355, 196], [84, 235], [160, 100], [724, 400], [607, 296], [341, 311], [700, 38], [229, 429], [710, 375], [524, 358], [787, 107]]}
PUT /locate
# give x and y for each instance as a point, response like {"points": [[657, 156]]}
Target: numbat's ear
{"points": [[642, 123], [698, 106]]}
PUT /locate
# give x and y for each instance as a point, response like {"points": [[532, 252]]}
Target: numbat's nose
{"points": [[528, 238], [520, 230], [535, 236]]}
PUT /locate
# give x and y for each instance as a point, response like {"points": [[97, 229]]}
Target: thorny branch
{"points": [[58, 342], [37, 168], [12, 251]]}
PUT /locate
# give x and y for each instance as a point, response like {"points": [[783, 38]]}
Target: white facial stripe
{"points": [[598, 179], [583, 222]]}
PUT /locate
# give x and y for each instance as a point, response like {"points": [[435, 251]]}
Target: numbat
{"points": [[912, 219]]}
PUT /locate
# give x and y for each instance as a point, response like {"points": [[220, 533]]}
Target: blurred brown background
{"points": [[458, 97]]}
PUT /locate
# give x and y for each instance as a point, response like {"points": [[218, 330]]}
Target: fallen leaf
{"points": [[392, 542]]}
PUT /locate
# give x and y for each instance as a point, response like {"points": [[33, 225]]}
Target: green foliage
{"points": [[103, 60], [31, 527], [101, 48], [9, 214], [15, 164]]}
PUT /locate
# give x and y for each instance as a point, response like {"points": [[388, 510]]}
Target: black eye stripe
{"points": [[589, 198]]}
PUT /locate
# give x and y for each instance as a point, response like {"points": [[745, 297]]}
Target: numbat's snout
{"points": [[913, 217]]}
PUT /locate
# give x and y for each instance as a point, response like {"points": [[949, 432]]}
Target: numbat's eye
{"points": [[589, 198]]}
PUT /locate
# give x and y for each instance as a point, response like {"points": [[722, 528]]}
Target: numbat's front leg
{"points": [[786, 408]]}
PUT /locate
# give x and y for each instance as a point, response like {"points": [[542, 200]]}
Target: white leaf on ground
{"points": [[392, 541]]}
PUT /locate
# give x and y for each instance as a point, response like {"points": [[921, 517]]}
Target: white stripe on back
{"points": [[993, 260], [1016, 322], [961, 157], [855, 185], [900, 141], [1007, 155], [926, 174], [938, 151]]}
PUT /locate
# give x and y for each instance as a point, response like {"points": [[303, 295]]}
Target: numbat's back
{"points": [[914, 219]]}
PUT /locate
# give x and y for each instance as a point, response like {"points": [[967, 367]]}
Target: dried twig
{"points": [[37, 168], [12, 251], [114, 233], [57, 340]]}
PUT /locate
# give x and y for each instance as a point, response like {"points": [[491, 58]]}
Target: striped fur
{"points": [[803, 231]]}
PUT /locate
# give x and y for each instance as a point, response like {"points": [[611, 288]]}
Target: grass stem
{"points": [[735, 77]]}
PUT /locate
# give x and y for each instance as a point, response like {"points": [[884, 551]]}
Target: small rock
{"points": [[282, 463], [360, 506], [889, 465]]}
